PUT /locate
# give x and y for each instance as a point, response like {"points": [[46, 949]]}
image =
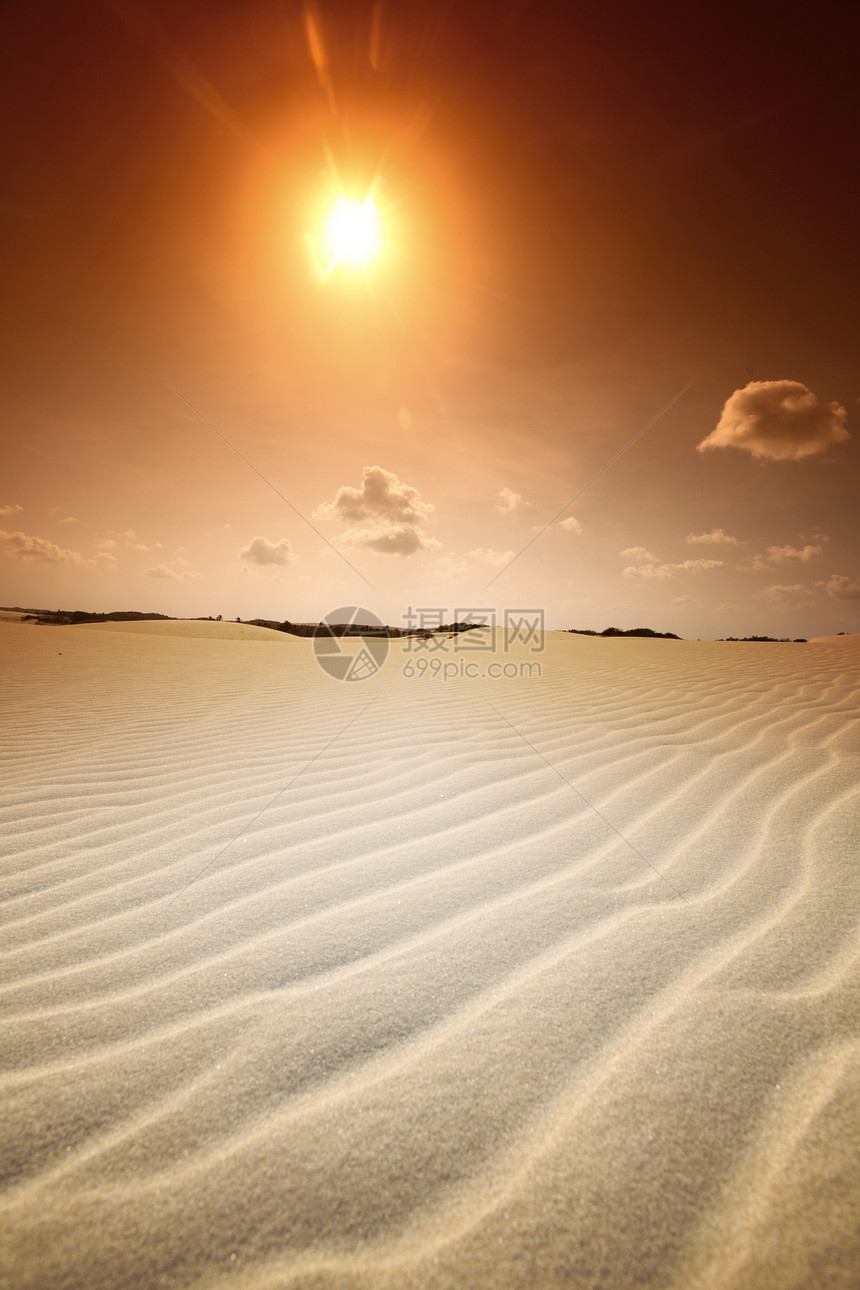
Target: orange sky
{"points": [[584, 207]]}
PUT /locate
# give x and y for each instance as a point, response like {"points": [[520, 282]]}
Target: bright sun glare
{"points": [[352, 232]]}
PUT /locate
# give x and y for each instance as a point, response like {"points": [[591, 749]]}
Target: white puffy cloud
{"points": [[162, 571], [841, 587], [571, 525], [381, 496], [777, 421], [664, 571], [384, 514], [717, 537], [261, 551], [26, 546], [10, 509], [508, 500]]}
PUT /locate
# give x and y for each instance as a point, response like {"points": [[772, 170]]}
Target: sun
{"points": [[352, 232]]}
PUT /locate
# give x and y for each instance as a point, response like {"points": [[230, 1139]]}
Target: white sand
{"points": [[494, 984]]}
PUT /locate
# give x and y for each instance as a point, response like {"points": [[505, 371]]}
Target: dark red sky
{"points": [[588, 205]]}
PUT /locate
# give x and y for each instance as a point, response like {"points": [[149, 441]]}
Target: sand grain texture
{"points": [[527, 982]]}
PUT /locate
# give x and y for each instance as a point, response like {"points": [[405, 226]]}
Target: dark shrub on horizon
{"points": [[631, 631]]}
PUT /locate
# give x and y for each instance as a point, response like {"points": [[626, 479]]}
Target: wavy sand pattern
{"points": [[487, 983]]}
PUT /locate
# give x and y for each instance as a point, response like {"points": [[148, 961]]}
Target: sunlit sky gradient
{"points": [[582, 208]]}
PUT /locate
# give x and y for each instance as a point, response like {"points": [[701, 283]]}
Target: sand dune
{"points": [[481, 982]]}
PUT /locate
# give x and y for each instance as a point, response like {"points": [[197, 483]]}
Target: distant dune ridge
{"points": [[489, 983]]}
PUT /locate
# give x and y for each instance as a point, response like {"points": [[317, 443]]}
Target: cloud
{"points": [[396, 539], [508, 501], [106, 544], [777, 421], [10, 509], [684, 600], [381, 497], [162, 571], [779, 591], [841, 587], [716, 536], [261, 551], [496, 559], [452, 565], [791, 554], [384, 514], [25, 546], [130, 538], [639, 554], [71, 519], [571, 524], [664, 571], [784, 555]]}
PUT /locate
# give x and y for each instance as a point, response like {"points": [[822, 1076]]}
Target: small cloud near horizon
{"points": [[395, 539], [841, 587], [496, 559], [783, 555], [571, 525], [664, 571], [10, 509], [261, 551], [779, 591], [639, 554], [791, 554], [716, 536], [777, 421], [130, 538], [175, 575], [452, 565], [508, 501]]}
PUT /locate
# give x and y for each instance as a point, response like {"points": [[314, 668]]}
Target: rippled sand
{"points": [[485, 983]]}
